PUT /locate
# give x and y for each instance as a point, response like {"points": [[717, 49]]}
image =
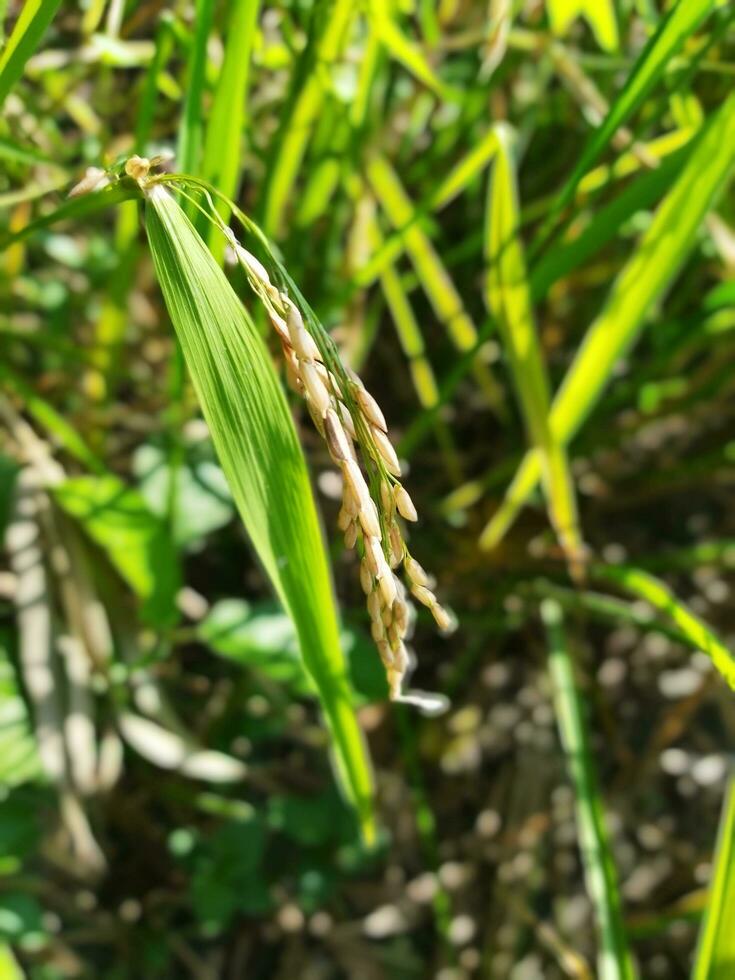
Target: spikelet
{"points": [[356, 435]]}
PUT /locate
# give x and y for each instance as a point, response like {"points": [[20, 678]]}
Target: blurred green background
{"points": [[486, 202]]}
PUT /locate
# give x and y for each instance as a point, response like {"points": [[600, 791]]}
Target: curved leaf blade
{"points": [[257, 446], [644, 279]]}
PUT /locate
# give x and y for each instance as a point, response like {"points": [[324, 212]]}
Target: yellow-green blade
{"points": [[508, 299], [298, 122], [433, 276], [30, 27], [643, 280], [683, 19], [715, 959], [599, 14], [222, 141], [256, 442], [659, 595]]}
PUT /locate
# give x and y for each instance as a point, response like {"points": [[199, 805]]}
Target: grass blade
{"points": [[658, 594], [72, 210], [403, 49], [254, 436], [190, 132], [296, 125], [683, 19], [599, 14], [222, 150], [644, 279], [614, 961], [565, 255], [715, 957], [457, 180], [407, 328], [508, 299], [30, 27], [434, 278]]}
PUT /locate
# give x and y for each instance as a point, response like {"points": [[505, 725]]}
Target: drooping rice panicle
{"points": [[353, 427]]}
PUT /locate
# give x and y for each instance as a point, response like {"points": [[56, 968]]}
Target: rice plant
{"points": [[366, 489]]}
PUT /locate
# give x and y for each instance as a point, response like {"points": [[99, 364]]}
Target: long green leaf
{"points": [[568, 254], [190, 131], [600, 15], [30, 27], [614, 961], [403, 49], [256, 442], [433, 276], [508, 299], [644, 279], [683, 19], [222, 146], [311, 84], [72, 210], [660, 596], [715, 958]]}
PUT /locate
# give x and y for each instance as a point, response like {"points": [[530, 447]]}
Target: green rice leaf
{"points": [[715, 957], [430, 270], [313, 81], [403, 49], [222, 146], [570, 253], [646, 276], [614, 960], [256, 442], [34, 19], [508, 299], [659, 595], [190, 131], [599, 14], [682, 20], [73, 210]]}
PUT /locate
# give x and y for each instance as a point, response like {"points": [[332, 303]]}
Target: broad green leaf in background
{"points": [[21, 920], [30, 27], [508, 299], [715, 958], [599, 14], [256, 442], [643, 280], [614, 961], [682, 20], [203, 502], [262, 637], [136, 541]]}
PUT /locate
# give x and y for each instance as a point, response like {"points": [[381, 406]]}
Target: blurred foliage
{"points": [[168, 806]]}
